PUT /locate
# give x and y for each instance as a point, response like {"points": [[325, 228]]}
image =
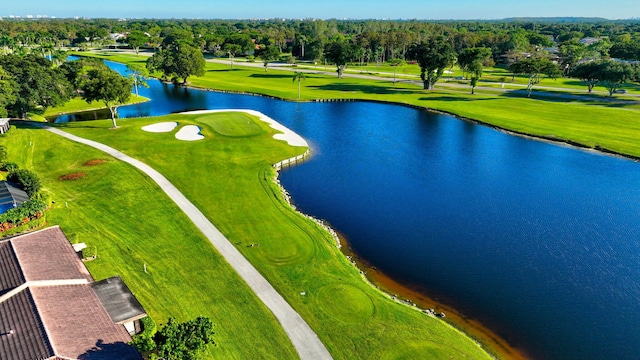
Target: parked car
{"points": [[620, 91]]}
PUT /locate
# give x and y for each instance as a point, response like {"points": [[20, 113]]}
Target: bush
{"points": [[29, 210], [144, 341], [9, 167], [28, 180]]}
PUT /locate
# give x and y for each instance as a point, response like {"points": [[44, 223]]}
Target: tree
{"points": [[475, 69], [339, 51], [534, 68], [37, 84], [299, 76], [139, 74], [136, 39], [614, 74], [107, 86], [7, 95], [232, 50], [28, 180], [433, 57], [178, 62], [470, 56], [395, 62], [183, 341], [268, 54], [589, 72], [570, 53]]}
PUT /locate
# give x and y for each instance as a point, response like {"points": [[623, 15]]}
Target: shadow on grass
{"points": [[271, 76], [224, 70], [593, 100], [453, 98], [366, 89]]}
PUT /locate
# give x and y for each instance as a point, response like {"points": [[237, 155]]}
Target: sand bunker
{"points": [[160, 127], [189, 133], [287, 135]]}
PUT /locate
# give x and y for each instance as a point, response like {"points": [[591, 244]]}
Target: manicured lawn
{"points": [[218, 183], [229, 177], [130, 222], [76, 105]]}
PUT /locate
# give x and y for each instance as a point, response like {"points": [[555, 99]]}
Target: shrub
{"points": [[9, 166], [31, 209], [144, 341], [28, 180]]}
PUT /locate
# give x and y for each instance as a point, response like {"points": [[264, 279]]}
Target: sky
{"points": [[323, 9]]}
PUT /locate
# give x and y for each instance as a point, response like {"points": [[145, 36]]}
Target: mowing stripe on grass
{"points": [[304, 339]]}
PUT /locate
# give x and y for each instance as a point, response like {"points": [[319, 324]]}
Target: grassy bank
{"points": [[229, 177], [129, 222], [594, 122], [76, 105]]}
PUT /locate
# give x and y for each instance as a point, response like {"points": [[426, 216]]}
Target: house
{"points": [[11, 196], [50, 307], [589, 40], [4, 125]]}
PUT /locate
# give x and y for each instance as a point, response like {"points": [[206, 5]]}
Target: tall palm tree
{"points": [[298, 76]]}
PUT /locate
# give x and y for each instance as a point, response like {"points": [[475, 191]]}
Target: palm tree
{"points": [[298, 76]]}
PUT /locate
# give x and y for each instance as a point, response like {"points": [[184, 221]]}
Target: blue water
{"points": [[540, 241]]}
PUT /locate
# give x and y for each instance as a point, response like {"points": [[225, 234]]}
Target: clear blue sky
{"points": [[324, 9]]}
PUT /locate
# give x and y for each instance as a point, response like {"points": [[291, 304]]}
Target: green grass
{"points": [[611, 125], [131, 222], [76, 105], [228, 177]]}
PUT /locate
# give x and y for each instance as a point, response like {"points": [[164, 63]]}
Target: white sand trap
{"points": [[189, 133], [161, 127], [287, 135]]}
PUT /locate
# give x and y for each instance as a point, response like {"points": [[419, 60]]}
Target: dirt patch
{"points": [[94, 162], [72, 176]]}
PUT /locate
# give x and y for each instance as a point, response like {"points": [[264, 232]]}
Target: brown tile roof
{"points": [[78, 325], [48, 255], [47, 300], [22, 335]]}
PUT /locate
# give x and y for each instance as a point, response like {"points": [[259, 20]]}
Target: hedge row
{"points": [[29, 210]]}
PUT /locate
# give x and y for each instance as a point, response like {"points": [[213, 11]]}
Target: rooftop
{"points": [[48, 306]]}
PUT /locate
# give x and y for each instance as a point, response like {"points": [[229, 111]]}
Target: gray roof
{"points": [[120, 303], [12, 194]]}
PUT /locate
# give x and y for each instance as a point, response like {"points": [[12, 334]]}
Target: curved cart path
{"points": [[304, 339]]}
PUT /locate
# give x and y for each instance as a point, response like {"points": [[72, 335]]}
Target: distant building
{"points": [[589, 40], [50, 307], [4, 125]]}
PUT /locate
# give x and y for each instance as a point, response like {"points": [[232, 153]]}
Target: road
{"points": [[304, 339]]}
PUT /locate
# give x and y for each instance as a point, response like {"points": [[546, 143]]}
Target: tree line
{"points": [[33, 74]]}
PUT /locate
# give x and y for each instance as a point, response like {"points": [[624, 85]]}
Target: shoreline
{"points": [[488, 339], [492, 343]]}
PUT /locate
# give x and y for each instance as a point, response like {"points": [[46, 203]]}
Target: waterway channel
{"points": [[540, 242]]}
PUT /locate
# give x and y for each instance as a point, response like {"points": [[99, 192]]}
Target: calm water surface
{"points": [[539, 240]]}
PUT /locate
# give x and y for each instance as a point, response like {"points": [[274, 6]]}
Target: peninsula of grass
{"points": [[78, 104], [131, 223]]}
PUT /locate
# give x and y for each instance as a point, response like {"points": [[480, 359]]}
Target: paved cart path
{"points": [[304, 339]]}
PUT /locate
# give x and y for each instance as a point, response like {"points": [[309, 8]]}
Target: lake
{"points": [[538, 240]]}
